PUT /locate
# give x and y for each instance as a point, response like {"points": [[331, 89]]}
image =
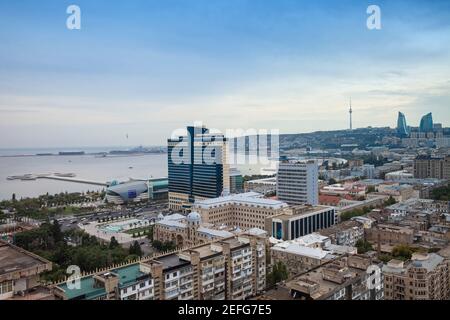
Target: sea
{"points": [[90, 166]]}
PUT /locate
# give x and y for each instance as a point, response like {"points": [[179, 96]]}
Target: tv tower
{"points": [[350, 113]]}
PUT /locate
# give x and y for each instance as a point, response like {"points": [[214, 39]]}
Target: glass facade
{"points": [[190, 168], [303, 226], [426, 123], [402, 128]]}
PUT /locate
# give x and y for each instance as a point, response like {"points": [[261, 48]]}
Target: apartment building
{"points": [[432, 167], [346, 233], [425, 277], [233, 268]]}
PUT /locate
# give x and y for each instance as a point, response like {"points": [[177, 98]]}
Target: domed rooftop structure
{"points": [[194, 217]]}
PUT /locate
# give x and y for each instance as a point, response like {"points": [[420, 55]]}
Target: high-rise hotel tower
{"points": [[198, 168]]}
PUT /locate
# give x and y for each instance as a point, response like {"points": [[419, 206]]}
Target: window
{"points": [[6, 287]]}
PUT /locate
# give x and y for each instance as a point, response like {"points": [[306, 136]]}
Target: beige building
{"points": [[425, 277], [187, 230], [19, 272], [245, 210], [390, 234]]}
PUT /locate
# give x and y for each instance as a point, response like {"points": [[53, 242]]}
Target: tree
{"points": [[402, 252], [113, 243], [332, 181], [390, 202], [279, 273], [56, 231], [363, 246], [135, 249]]}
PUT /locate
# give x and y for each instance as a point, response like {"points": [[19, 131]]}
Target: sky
{"points": [[139, 69]]}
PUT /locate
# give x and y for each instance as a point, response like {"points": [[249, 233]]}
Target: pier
{"points": [[95, 183]]}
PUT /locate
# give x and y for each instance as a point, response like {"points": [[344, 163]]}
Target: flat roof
{"points": [[86, 290], [248, 198], [14, 259], [305, 210], [126, 275], [171, 261]]}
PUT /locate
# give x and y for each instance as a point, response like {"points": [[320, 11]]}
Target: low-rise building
{"points": [[298, 221], [19, 271], [306, 253], [346, 278], [346, 233], [390, 234]]}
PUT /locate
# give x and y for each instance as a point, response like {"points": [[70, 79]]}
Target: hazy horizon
{"points": [[138, 70]]}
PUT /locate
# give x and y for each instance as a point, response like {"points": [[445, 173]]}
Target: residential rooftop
{"points": [[15, 261]]}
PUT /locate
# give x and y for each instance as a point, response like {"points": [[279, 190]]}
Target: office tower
{"points": [[426, 123], [297, 182], [402, 128], [197, 166]]}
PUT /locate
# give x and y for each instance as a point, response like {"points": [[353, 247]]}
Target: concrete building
{"points": [[245, 210], [229, 269], [425, 277], [346, 278], [432, 167], [264, 186], [390, 234], [308, 252], [298, 221], [346, 233], [400, 192], [298, 182], [19, 271]]}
